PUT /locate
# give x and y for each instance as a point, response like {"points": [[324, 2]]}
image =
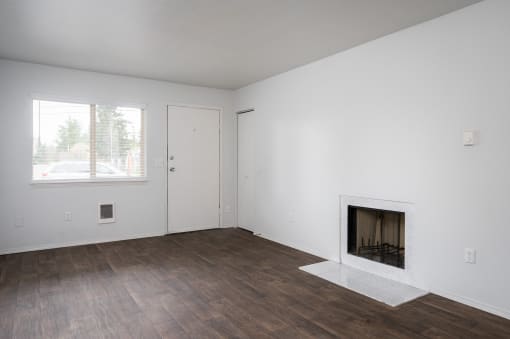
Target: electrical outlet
{"points": [[470, 137], [470, 255], [68, 216]]}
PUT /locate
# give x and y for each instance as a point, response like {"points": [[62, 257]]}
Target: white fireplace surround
{"points": [[394, 273]]}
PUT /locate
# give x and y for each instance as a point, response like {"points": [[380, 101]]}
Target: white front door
{"points": [[193, 168], [246, 171]]}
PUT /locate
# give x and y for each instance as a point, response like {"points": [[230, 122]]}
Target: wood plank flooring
{"points": [[209, 284]]}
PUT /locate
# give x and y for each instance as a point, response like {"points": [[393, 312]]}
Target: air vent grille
{"points": [[106, 213]]}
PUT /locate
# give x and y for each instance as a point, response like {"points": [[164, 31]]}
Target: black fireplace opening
{"points": [[377, 235]]}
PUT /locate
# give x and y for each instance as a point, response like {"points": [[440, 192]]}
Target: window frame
{"points": [[90, 180]]}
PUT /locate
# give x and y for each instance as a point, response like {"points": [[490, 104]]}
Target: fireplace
{"points": [[376, 234]]}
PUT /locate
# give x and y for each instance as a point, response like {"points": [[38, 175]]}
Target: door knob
{"points": [[172, 169]]}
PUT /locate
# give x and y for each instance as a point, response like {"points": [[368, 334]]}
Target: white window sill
{"points": [[89, 181]]}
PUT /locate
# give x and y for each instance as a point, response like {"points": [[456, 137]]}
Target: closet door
{"points": [[245, 171]]}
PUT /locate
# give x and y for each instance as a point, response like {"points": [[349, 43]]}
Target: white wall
{"points": [[141, 206], [385, 120]]}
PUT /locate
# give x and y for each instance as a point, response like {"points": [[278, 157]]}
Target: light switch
{"points": [[469, 138]]}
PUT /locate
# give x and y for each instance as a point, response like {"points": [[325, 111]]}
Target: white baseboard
{"points": [[76, 243], [474, 303], [296, 247], [452, 296]]}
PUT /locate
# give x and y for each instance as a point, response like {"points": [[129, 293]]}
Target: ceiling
{"points": [[215, 43]]}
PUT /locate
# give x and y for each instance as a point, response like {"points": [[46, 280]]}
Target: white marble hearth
{"points": [[387, 291]]}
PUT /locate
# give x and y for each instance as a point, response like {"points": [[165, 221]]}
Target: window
{"points": [[87, 142]]}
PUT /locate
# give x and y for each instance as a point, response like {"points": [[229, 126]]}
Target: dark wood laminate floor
{"points": [[210, 284]]}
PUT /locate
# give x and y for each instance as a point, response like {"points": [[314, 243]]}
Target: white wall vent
{"points": [[106, 213]]}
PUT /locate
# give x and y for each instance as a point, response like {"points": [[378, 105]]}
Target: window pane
{"points": [[65, 143], [119, 147], [61, 140]]}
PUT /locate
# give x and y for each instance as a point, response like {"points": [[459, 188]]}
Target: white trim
{"points": [[236, 155], [405, 275], [236, 174], [165, 166], [63, 99], [192, 229], [77, 243], [220, 169], [445, 294], [88, 181], [473, 303], [212, 108], [293, 245], [144, 111], [83, 100]]}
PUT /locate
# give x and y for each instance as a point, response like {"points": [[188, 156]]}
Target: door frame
{"points": [[220, 168], [237, 114]]}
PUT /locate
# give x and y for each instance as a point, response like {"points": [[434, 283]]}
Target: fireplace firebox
{"points": [[377, 235]]}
